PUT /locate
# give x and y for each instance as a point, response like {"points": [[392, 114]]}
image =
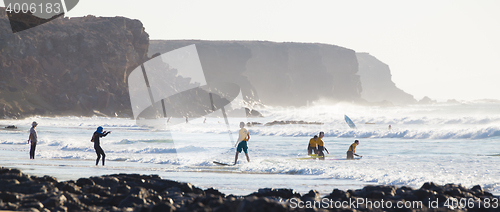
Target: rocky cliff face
{"points": [[377, 83], [79, 66], [286, 74], [69, 66]]}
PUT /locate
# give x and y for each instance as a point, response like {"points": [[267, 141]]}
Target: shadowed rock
{"points": [[133, 192]]}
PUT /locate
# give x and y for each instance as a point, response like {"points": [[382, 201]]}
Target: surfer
{"points": [[352, 150], [244, 136], [33, 138], [311, 147], [321, 146], [96, 139]]}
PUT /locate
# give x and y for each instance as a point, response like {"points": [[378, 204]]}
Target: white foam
{"points": [[439, 143]]}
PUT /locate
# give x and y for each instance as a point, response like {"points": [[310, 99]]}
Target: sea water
{"points": [[442, 143]]}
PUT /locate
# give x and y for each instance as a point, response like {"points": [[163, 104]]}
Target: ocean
{"points": [[443, 143]]}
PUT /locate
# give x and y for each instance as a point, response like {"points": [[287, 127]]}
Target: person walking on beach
{"points": [[321, 146], [311, 147], [244, 136], [97, 144], [33, 138], [352, 150]]}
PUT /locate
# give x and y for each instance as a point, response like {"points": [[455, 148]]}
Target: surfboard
{"points": [[314, 156], [341, 159], [222, 164], [349, 122], [489, 155]]}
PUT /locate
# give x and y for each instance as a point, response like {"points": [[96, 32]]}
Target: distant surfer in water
{"points": [[33, 138], [311, 147], [321, 146], [352, 150], [244, 136], [97, 144]]}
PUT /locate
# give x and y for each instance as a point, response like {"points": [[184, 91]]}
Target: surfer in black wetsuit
{"points": [[96, 139]]}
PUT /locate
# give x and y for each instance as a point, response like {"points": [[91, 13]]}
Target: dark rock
{"points": [[338, 195], [477, 188], [423, 194], [376, 195], [388, 190], [131, 201], [488, 194], [254, 204], [11, 197], [454, 192], [251, 124], [312, 195], [90, 199], [22, 178], [106, 181], [35, 204], [272, 192], [429, 186], [11, 206], [163, 207], [70, 187], [137, 193], [55, 201], [60, 209], [213, 191], [123, 189], [84, 181], [140, 192], [116, 200]]}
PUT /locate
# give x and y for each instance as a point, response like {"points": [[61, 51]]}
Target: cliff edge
{"points": [[280, 74], [377, 82], [69, 66]]}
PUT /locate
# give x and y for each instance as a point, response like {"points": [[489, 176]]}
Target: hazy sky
{"points": [[443, 49]]}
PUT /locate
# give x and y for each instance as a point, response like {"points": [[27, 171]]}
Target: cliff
{"points": [[377, 83], [80, 66], [69, 66], [285, 74]]}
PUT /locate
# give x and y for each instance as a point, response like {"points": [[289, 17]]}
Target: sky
{"points": [[443, 49]]}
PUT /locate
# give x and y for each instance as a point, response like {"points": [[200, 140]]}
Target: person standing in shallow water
{"points": [[33, 138], [311, 147], [97, 144], [321, 146], [244, 136]]}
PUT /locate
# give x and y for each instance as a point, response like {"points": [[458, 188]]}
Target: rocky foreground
{"points": [[133, 192]]}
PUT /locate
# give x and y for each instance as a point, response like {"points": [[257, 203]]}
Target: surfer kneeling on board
{"points": [[351, 151], [244, 136], [311, 147], [321, 146]]}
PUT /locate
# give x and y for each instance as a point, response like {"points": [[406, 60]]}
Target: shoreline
{"points": [[127, 192], [220, 178]]}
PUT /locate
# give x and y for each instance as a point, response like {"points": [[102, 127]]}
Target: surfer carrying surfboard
{"points": [[352, 151], [244, 136]]}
